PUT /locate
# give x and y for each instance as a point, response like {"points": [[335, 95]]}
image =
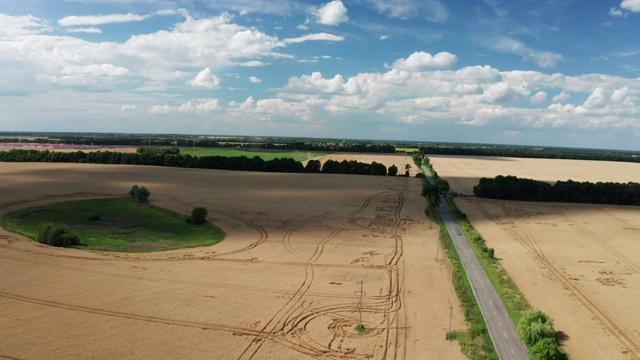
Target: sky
{"points": [[526, 72]]}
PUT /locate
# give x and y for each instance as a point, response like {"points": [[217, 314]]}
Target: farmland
{"points": [[576, 262], [280, 285]]}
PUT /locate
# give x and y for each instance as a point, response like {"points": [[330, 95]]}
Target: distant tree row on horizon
{"points": [[514, 188], [241, 163]]}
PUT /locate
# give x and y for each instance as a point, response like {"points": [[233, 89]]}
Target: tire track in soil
{"points": [[272, 325], [124, 315], [598, 239], [528, 242], [179, 282]]}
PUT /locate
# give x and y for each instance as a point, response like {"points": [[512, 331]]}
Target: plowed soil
{"points": [[579, 263], [282, 285]]}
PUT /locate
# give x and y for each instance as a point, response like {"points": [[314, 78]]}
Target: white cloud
{"points": [[107, 70], [384, 37], [615, 12], [539, 98], [432, 10], [620, 95], [314, 37], [194, 106], [562, 97], [543, 59], [421, 60], [12, 26], [128, 107], [92, 30], [502, 92], [631, 5], [332, 13], [302, 27], [205, 80], [596, 99], [254, 80], [101, 19]]}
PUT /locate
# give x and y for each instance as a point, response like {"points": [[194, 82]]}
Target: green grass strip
{"points": [[264, 154]]}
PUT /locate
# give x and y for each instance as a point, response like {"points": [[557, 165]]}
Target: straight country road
{"points": [[501, 329]]}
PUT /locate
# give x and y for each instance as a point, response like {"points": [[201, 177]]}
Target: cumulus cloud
{"points": [[543, 59], [615, 12], [631, 5], [194, 106], [421, 60], [205, 80], [562, 97], [12, 26], [254, 80], [108, 70], [596, 99], [314, 37], [100, 19], [332, 13], [539, 98]]}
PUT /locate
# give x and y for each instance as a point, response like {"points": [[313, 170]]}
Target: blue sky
{"points": [[539, 72]]}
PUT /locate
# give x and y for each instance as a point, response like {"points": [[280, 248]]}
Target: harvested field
{"points": [[579, 263], [399, 160], [280, 286], [463, 172]]}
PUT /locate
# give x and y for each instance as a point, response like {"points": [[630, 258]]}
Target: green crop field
{"points": [[264, 154], [124, 225]]}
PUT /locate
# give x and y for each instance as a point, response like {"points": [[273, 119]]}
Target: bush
{"points": [[547, 349], [535, 326], [94, 217], [57, 235], [139, 193], [198, 216]]}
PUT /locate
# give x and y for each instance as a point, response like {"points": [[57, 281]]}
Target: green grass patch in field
{"points": [[406, 149], [123, 224], [264, 154]]}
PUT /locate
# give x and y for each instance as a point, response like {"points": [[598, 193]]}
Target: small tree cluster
{"points": [[139, 193], [198, 216], [57, 235], [536, 330]]}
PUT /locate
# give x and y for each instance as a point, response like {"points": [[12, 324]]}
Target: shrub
{"points": [[94, 217], [534, 326], [57, 235], [198, 216], [547, 349], [139, 193]]}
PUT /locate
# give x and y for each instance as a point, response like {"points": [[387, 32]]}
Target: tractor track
{"points": [[530, 244]]}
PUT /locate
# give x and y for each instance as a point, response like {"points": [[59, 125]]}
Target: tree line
{"points": [[530, 152], [513, 188], [322, 145], [203, 162]]}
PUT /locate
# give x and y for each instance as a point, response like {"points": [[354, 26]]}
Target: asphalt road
{"points": [[501, 329]]}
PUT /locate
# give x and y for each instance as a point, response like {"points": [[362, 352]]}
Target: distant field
{"points": [[406, 149], [262, 153]]}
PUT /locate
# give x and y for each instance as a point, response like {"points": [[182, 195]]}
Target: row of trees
{"points": [[203, 162], [537, 331], [530, 152], [513, 188], [329, 145]]}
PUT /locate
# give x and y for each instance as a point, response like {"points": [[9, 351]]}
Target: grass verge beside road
{"points": [[118, 224], [475, 343]]}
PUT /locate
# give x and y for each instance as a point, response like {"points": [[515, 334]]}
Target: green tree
{"points": [[313, 166], [134, 191], [534, 326], [393, 170], [55, 234], [198, 216], [142, 195], [547, 349]]}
